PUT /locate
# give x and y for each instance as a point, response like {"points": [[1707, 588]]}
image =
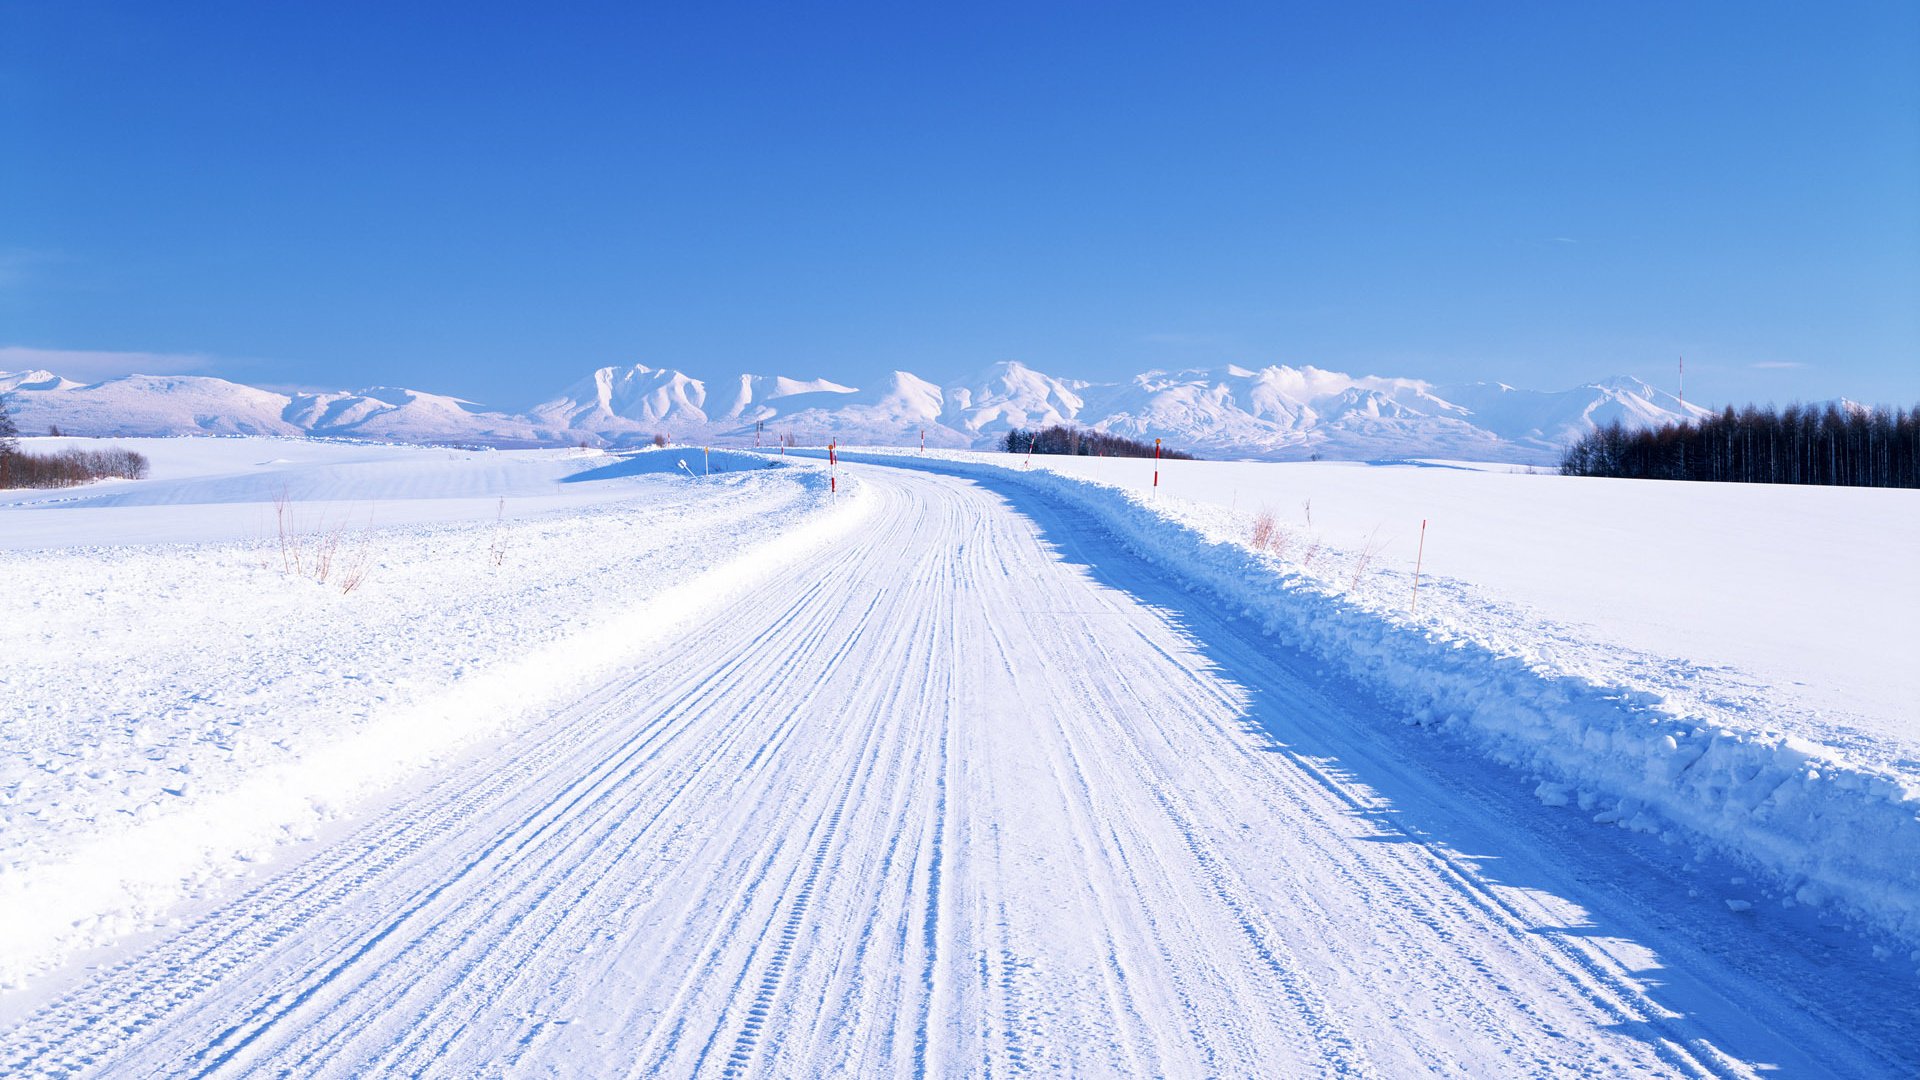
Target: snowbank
{"points": [[1828, 830], [170, 714], [1791, 597]]}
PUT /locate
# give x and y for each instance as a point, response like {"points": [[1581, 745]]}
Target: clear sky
{"points": [[491, 200]]}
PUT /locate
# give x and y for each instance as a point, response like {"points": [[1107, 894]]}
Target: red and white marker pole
{"points": [[833, 468], [1156, 466], [923, 440]]}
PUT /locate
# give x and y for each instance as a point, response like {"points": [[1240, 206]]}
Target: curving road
{"points": [[980, 793]]}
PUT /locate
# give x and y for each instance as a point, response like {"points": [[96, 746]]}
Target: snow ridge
{"points": [[112, 809], [1827, 830], [1278, 412]]}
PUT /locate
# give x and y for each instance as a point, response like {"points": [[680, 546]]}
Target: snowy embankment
{"points": [[170, 714], [1654, 745]]}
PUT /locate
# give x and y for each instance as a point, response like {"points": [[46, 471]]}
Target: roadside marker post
{"points": [[1417, 561], [1156, 466]]}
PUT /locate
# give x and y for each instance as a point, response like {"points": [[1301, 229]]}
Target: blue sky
{"points": [[492, 200]]}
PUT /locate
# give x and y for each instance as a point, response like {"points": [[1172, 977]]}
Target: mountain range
{"points": [[1279, 411]]}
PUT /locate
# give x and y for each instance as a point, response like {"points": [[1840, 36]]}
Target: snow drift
{"points": [[1828, 830], [250, 706]]}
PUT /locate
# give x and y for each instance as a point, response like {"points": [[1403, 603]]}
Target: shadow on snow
{"points": [[1479, 819]]}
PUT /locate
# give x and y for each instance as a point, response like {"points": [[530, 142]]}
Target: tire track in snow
{"points": [[1471, 903], [597, 796], [726, 948], [221, 945], [945, 802], [773, 975]]}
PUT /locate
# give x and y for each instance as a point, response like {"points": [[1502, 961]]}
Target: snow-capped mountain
{"points": [[1010, 395], [200, 405], [647, 400], [401, 415], [33, 380], [1553, 419], [1230, 411], [1293, 412]]}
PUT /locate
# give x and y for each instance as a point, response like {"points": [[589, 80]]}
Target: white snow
{"points": [[231, 484], [163, 405], [1274, 411], [1691, 656], [1277, 411], [687, 763], [1764, 597], [175, 710]]}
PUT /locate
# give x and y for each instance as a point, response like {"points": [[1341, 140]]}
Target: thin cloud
{"points": [[1776, 365], [1562, 240], [89, 365]]}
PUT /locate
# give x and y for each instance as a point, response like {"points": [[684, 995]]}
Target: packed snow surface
{"points": [[174, 711], [947, 768], [1826, 805]]}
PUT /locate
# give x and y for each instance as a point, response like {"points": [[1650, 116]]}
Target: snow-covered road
{"points": [[980, 792]]}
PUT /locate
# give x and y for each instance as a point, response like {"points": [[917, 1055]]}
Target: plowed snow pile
{"points": [[682, 764], [170, 712], [1723, 664]]}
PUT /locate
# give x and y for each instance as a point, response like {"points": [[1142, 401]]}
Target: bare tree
{"points": [[63, 468]]}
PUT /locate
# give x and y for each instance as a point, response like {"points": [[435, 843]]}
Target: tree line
{"points": [[62, 468], [1081, 442], [1802, 444]]}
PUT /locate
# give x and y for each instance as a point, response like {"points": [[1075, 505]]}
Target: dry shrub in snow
{"points": [[1264, 528], [1365, 559], [324, 555], [497, 545], [1269, 535]]}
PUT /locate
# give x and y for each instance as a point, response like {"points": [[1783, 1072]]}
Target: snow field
{"points": [[224, 488], [975, 788], [980, 792], [1794, 592], [174, 713], [1618, 738]]}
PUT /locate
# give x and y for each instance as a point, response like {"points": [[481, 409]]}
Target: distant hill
{"points": [[1277, 412]]}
